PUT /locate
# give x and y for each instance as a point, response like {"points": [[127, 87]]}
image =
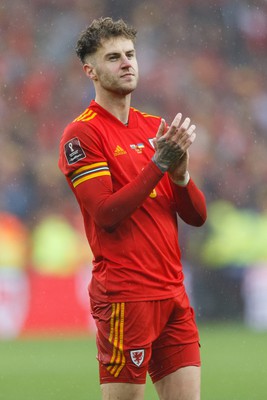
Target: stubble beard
{"points": [[115, 86]]}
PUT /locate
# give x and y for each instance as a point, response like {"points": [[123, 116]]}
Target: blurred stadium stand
{"points": [[206, 59]]}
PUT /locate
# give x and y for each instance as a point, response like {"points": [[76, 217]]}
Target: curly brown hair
{"points": [[100, 29]]}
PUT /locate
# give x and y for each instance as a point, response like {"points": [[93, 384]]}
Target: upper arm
{"points": [[84, 164]]}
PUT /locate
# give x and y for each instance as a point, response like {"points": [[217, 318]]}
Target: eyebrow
{"points": [[112, 53], [117, 53]]}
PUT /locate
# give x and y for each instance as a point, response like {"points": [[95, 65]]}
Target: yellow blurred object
{"points": [[14, 242], [236, 236], [58, 248]]}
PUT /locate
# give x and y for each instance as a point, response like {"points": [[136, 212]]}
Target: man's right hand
{"points": [[171, 143]]}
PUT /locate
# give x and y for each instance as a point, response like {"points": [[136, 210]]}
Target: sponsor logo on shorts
{"points": [[137, 356]]}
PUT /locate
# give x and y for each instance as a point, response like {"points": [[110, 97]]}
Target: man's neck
{"points": [[118, 106]]}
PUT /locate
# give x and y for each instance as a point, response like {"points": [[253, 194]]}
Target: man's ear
{"points": [[90, 71]]}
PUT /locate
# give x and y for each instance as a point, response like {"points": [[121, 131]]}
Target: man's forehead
{"points": [[116, 44]]}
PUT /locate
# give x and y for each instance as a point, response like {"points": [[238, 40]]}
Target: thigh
{"points": [[183, 384], [122, 391], [178, 344]]}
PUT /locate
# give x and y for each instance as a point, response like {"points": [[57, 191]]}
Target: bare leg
{"points": [[122, 391], [183, 384]]}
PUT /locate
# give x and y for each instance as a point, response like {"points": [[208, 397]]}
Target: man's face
{"points": [[115, 66]]}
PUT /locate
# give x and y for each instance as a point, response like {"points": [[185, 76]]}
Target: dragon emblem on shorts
{"points": [[137, 356]]}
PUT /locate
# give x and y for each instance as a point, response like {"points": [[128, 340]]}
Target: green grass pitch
{"points": [[64, 368]]}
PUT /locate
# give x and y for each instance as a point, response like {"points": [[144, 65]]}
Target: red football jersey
{"points": [[129, 207]]}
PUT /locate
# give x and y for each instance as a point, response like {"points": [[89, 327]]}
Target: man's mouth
{"points": [[127, 75]]}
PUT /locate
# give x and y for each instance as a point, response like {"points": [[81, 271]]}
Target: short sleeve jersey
{"points": [[140, 259]]}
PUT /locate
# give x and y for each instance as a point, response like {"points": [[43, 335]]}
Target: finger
{"points": [[176, 121], [174, 125], [191, 129], [192, 137], [189, 141], [182, 135], [185, 125], [161, 129]]}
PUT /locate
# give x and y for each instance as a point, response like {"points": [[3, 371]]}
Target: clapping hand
{"points": [[171, 144]]}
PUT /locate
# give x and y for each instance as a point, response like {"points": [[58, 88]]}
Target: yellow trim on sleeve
{"points": [[88, 168], [87, 115], [91, 176]]}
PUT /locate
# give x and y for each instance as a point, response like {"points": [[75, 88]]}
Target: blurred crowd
{"points": [[206, 59]]}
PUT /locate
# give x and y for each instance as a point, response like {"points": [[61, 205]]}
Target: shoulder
{"points": [[86, 116], [79, 135], [146, 120], [84, 121], [83, 126], [146, 116], [80, 142]]}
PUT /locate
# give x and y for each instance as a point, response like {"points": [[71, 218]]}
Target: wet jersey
{"points": [[129, 207]]}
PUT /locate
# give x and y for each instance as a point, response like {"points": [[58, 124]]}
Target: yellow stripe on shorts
{"points": [[118, 360]]}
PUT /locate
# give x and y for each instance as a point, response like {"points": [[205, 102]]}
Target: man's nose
{"points": [[126, 62]]}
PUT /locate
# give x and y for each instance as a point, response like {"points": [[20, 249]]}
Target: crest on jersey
{"points": [[137, 147], [137, 356]]}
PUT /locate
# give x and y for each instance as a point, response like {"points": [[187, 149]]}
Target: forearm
{"points": [[109, 208], [190, 203]]}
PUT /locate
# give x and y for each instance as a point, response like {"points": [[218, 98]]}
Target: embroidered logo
{"points": [[137, 356], [137, 147], [119, 151], [74, 151]]}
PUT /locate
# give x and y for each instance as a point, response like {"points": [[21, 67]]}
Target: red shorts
{"points": [[134, 338]]}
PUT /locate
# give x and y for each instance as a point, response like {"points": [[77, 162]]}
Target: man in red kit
{"points": [[129, 173]]}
